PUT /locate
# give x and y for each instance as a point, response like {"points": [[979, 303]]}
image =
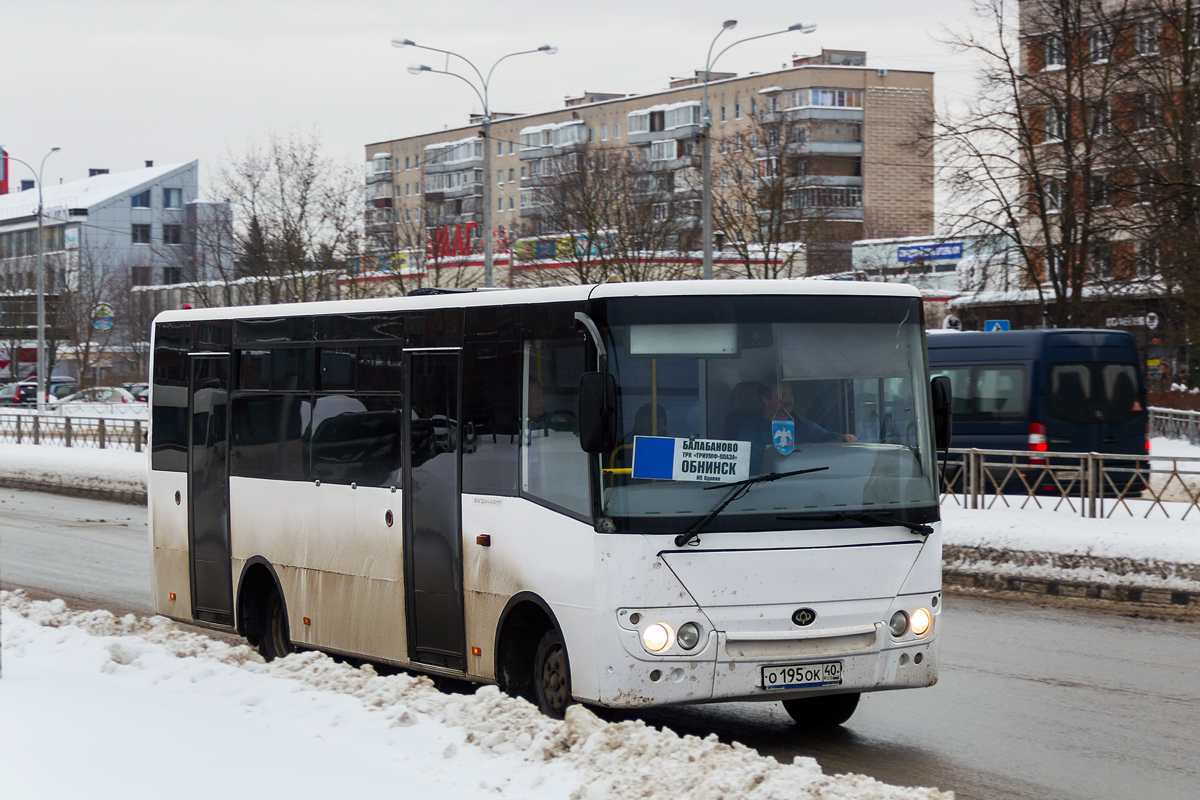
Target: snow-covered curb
{"points": [[608, 760], [116, 474]]}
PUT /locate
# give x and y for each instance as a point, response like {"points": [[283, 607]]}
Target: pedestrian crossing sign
{"points": [[996, 325]]}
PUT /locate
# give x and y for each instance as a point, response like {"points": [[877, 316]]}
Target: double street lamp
{"points": [[706, 139], [41, 382], [480, 86]]}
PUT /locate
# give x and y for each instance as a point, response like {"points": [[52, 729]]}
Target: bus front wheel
{"points": [[273, 640], [827, 711], [552, 675]]}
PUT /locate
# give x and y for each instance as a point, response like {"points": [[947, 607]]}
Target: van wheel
{"points": [[552, 676], [273, 640], [828, 711]]}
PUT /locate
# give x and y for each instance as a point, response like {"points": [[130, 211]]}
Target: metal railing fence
{"points": [[1173, 424], [1095, 485], [101, 432]]}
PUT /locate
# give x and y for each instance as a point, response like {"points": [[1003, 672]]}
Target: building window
{"points": [[836, 98], [511, 203], [141, 276], [172, 275], [753, 108], [1147, 111], [737, 110], [616, 130], [753, 140], [141, 234], [172, 234], [1055, 53], [1146, 38], [723, 146], [1099, 45], [1102, 118], [141, 199], [1055, 124], [512, 147], [499, 148], [724, 114], [1053, 190], [604, 133], [512, 175], [1101, 191], [1148, 256], [1102, 260], [408, 162], [662, 151], [172, 198]]}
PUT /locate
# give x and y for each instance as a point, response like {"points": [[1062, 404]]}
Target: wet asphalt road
{"points": [[1033, 703]]}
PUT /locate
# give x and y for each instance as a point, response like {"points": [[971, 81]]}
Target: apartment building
{"points": [[844, 136], [102, 235]]}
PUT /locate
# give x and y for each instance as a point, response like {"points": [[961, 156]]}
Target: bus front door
{"points": [[208, 490], [432, 512]]}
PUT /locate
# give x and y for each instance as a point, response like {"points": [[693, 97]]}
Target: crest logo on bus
{"points": [[804, 616], [783, 434]]}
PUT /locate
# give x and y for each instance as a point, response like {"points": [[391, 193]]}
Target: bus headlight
{"points": [[898, 624], [921, 620], [689, 635], [657, 637]]}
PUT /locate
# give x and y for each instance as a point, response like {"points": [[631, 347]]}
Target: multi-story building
{"points": [[845, 140], [102, 236]]}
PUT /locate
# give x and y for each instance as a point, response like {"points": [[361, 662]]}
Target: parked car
{"points": [[101, 394], [21, 394]]}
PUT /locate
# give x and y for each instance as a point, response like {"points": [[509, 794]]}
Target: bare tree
{"points": [[605, 212], [772, 198], [297, 215], [98, 279], [1033, 160]]}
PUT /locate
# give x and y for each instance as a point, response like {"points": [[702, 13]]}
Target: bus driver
{"points": [[777, 404]]}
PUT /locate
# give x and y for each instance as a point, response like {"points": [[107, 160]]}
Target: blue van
{"points": [[1073, 391]]}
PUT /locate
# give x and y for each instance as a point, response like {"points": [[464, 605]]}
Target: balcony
{"points": [[378, 176], [680, 132]]}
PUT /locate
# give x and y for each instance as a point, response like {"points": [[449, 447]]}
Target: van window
{"points": [[1093, 392], [986, 392]]}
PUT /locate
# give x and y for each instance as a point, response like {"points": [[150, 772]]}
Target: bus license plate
{"points": [[802, 676]]}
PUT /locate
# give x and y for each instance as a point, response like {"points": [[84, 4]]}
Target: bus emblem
{"points": [[804, 616]]}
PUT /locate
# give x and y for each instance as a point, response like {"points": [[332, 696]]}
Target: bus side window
{"points": [[554, 466]]}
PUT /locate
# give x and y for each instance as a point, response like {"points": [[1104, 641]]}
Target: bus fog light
{"points": [[921, 620], [689, 635], [657, 637], [898, 624]]}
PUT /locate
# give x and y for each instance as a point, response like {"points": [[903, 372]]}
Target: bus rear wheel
{"points": [[273, 639], [828, 711], [552, 676]]}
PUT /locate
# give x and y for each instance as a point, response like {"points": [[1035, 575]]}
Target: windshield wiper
{"points": [[739, 489], [874, 519]]}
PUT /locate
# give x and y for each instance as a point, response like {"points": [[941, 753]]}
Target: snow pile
{"points": [[103, 688], [75, 467]]}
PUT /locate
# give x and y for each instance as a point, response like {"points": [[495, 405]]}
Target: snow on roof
{"points": [[455, 143], [1091, 291], [771, 90], [87, 193], [663, 107], [549, 127]]}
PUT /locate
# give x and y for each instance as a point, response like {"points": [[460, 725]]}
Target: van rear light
{"points": [[1037, 441], [1147, 437]]}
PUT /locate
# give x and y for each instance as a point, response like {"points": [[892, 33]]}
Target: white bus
{"points": [[624, 495]]}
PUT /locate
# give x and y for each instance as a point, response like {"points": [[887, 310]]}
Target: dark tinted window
{"points": [[291, 369], [357, 439], [335, 369], [1093, 392], [255, 370], [168, 447], [491, 398], [380, 369], [987, 392], [359, 326], [283, 329], [268, 436]]}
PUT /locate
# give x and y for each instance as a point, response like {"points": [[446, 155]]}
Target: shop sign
{"points": [[930, 252], [1145, 321]]}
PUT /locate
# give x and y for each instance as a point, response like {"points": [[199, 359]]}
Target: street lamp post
{"points": [[41, 381], [481, 91], [706, 139]]}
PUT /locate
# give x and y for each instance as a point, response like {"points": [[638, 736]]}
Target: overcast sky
{"points": [[116, 83]]}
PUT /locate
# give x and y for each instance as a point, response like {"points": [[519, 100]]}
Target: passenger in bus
{"points": [[777, 403], [645, 423]]}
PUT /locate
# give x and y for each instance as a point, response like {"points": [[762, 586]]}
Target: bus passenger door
{"points": [[432, 511], [208, 490]]}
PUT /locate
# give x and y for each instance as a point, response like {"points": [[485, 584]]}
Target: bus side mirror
{"points": [[597, 412], [939, 389]]}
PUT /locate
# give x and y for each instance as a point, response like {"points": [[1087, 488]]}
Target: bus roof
{"points": [[551, 294]]}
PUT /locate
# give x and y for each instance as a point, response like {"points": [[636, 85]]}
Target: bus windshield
{"points": [[715, 390]]}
